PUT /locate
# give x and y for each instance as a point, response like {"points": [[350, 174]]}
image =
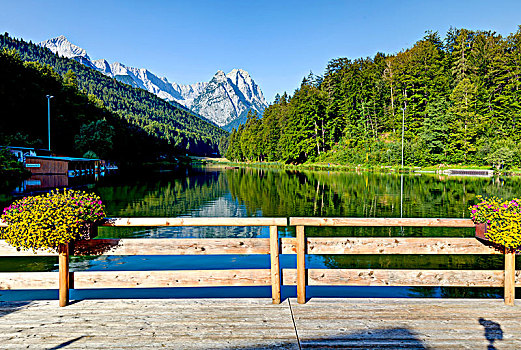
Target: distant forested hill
{"points": [[172, 129], [460, 98]]}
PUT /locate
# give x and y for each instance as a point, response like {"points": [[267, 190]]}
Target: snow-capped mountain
{"points": [[225, 100], [64, 47]]}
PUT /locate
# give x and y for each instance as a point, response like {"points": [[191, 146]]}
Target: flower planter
{"points": [[498, 221], [481, 229], [50, 220], [89, 230]]}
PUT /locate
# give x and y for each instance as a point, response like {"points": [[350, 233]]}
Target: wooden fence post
{"points": [[275, 264], [510, 276], [301, 265], [63, 260]]}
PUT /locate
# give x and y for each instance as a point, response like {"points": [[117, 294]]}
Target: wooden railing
{"points": [[300, 246], [506, 278], [66, 280]]}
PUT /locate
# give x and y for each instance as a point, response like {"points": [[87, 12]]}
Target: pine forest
{"points": [[457, 97]]}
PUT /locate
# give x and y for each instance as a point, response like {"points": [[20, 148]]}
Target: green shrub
{"points": [[45, 221]]}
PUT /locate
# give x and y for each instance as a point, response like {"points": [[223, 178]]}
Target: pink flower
{"points": [[474, 211]]}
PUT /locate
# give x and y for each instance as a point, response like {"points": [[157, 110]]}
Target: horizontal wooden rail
{"points": [[386, 245], [293, 221], [138, 279], [375, 222], [154, 246], [223, 246], [257, 277], [404, 278], [153, 222], [7, 250], [159, 222]]}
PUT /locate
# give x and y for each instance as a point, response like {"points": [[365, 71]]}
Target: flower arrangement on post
{"points": [[46, 221], [498, 220]]}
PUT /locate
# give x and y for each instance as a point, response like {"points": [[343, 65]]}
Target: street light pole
{"points": [[49, 119], [401, 176], [403, 129]]}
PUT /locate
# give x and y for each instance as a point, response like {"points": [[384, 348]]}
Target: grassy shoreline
{"points": [[360, 167]]}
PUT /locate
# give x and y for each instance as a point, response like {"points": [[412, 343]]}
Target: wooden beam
{"points": [[372, 222], [252, 277], [154, 246], [315, 245], [250, 221], [138, 279], [293, 221], [387, 245], [178, 278], [172, 246], [412, 278], [8, 250], [301, 265], [510, 276], [275, 264], [29, 280], [63, 262]]}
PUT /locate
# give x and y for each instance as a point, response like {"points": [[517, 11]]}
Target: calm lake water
{"points": [[218, 192]]}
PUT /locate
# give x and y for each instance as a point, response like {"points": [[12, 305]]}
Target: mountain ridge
{"points": [[225, 100]]}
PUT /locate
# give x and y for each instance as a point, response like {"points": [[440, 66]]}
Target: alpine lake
{"points": [[218, 191]]}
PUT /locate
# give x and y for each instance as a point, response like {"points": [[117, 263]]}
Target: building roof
{"points": [[20, 148], [26, 148], [67, 159]]}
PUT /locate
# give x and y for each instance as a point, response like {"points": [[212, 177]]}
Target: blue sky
{"points": [[278, 42]]}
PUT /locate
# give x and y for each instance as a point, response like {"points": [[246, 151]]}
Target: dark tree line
{"points": [[460, 96]]}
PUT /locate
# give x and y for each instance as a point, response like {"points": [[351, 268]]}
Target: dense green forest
{"points": [[88, 104], [460, 99]]}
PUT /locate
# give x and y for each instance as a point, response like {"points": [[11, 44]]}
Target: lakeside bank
{"points": [[433, 169]]}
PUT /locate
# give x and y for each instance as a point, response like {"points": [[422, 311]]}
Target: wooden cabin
{"points": [[43, 165]]}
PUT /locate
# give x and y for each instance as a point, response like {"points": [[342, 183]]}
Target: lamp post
{"points": [[49, 119], [401, 176], [403, 129]]}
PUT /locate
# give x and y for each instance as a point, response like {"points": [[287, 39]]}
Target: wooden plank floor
{"points": [[408, 323], [257, 324]]}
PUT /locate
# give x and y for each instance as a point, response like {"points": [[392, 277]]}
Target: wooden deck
{"points": [[257, 324]]}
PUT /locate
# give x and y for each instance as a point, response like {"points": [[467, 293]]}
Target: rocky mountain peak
{"points": [[225, 100], [219, 76], [63, 47]]}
